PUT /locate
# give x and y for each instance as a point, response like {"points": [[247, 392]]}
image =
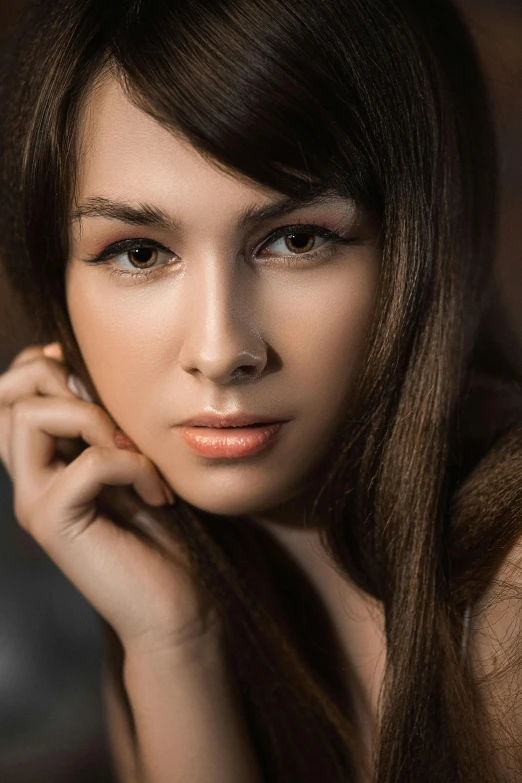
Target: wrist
{"points": [[188, 713], [192, 647]]}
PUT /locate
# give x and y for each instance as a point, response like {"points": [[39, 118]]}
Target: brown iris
{"points": [[143, 256], [301, 243]]}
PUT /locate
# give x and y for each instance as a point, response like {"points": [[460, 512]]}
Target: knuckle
{"points": [[93, 457], [45, 367]]}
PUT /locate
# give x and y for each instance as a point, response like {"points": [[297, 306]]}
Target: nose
{"points": [[222, 340]]}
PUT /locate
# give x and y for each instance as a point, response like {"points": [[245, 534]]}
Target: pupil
{"points": [[142, 255], [301, 241]]}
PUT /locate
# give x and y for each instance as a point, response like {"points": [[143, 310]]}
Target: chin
{"points": [[239, 503]]}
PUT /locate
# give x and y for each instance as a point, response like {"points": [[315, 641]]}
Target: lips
{"points": [[214, 421], [230, 442], [231, 427]]}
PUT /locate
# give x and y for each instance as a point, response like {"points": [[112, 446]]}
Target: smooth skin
{"points": [[55, 503], [224, 295], [161, 349], [172, 703]]}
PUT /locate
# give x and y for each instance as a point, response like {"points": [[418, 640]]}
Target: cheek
{"points": [[318, 328], [116, 345], [326, 342]]}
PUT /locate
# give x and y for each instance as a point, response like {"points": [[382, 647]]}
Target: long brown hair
{"points": [[383, 101]]}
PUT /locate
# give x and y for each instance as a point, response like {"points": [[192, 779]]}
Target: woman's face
{"points": [[213, 291]]}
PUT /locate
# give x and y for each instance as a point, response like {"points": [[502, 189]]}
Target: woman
{"points": [[275, 216]]}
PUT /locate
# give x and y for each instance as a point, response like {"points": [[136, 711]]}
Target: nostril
{"points": [[242, 372]]}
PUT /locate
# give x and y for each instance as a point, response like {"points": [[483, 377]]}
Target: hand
{"points": [[148, 596]]}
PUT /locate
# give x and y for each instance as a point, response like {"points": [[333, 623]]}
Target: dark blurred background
{"points": [[52, 722], [52, 726]]}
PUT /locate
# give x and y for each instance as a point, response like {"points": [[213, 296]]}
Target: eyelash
{"points": [[127, 245]]}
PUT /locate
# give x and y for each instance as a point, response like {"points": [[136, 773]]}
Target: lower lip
{"points": [[229, 442]]}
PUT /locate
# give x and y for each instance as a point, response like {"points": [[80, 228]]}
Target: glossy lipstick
{"points": [[229, 442]]}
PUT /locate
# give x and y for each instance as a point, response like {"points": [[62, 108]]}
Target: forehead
{"points": [[125, 153]]}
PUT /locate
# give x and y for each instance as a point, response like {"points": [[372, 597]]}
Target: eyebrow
{"points": [[150, 215]]}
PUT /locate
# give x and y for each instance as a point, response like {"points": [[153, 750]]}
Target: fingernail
{"points": [[53, 350], [77, 387], [124, 442]]}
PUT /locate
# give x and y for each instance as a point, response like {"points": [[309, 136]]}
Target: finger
{"points": [[78, 388], [77, 486], [28, 354], [39, 376], [38, 421], [54, 351]]}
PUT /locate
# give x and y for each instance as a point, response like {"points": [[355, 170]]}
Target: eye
{"points": [[308, 241], [143, 257], [302, 242], [134, 257]]}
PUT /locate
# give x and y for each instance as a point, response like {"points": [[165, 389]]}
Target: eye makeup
{"points": [[300, 229]]}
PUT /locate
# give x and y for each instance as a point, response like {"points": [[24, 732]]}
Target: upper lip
{"points": [[230, 420]]}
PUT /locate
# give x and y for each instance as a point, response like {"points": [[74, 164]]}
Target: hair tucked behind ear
{"points": [[390, 111]]}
